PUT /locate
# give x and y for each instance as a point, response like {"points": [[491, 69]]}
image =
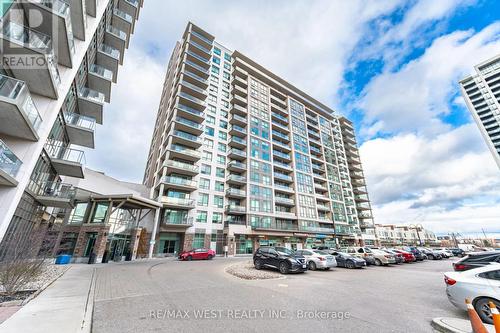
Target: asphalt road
{"points": [[171, 296]]}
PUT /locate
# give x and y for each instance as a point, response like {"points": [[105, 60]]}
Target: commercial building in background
{"points": [[393, 235], [482, 96], [60, 59], [242, 158]]}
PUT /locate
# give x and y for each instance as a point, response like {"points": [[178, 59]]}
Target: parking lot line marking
{"points": [[282, 285]]}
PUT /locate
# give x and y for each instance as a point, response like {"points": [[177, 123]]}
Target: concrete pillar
{"points": [[152, 242]]}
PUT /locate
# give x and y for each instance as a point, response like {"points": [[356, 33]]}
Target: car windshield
{"points": [[284, 250]]}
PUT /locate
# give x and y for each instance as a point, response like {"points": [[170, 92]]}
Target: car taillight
{"points": [[460, 267], [321, 258], [387, 256], [449, 281]]}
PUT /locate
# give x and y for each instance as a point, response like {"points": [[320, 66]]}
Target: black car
{"points": [[476, 259], [348, 261], [457, 252], [416, 252], [279, 258], [434, 255]]}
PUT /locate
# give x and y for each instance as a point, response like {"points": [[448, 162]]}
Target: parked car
{"points": [[283, 259], [415, 251], [476, 259], [360, 252], [348, 261], [407, 256], [444, 252], [197, 254], [383, 258], [399, 256], [456, 251], [480, 285], [317, 259], [434, 255]]}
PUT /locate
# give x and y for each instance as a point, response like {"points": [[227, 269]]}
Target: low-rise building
{"points": [[392, 235]]}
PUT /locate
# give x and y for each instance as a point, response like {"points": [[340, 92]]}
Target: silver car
{"points": [[317, 259]]}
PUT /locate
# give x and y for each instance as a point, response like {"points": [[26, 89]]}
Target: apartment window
{"points": [[199, 240], [225, 104], [222, 135], [260, 149], [259, 109], [208, 143], [297, 109], [226, 75], [221, 159], [259, 128], [213, 89], [219, 186], [202, 199], [216, 60], [209, 131], [223, 124], [222, 147], [201, 216], [206, 155], [304, 183], [214, 79], [299, 126], [218, 201], [302, 162], [204, 184], [260, 192], [226, 85], [215, 70], [220, 172], [300, 143], [212, 98], [210, 120], [227, 66], [217, 51], [224, 114], [227, 56], [260, 172], [225, 93], [216, 217], [260, 205], [205, 169]]}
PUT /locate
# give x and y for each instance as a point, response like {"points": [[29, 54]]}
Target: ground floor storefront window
{"points": [[244, 245], [169, 243]]}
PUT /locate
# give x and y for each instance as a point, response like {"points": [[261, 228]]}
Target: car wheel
{"points": [[483, 309], [312, 266], [432, 257], [189, 258], [349, 264], [258, 264], [327, 268], [283, 267], [378, 262], [210, 257]]}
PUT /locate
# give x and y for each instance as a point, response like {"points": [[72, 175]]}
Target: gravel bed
{"points": [[246, 270]]}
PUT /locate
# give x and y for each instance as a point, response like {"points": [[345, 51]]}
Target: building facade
{"points": [[241, 158], [394, 235], [481, 92], [60, 59]]}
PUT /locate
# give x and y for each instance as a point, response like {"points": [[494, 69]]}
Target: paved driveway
{"points": [[171, 296]]}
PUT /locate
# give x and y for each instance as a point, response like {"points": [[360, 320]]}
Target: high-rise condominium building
{"points": [[60, 59], [482, 96], [242, 158]]}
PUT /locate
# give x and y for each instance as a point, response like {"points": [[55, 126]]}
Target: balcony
{"points": [[238, 109], [323, 208], [284, 201], [320, 187], [315, 151], [80, 129], [66, 161], [100, 79], [196, 69], [91, 103], [283, 177], [22, 43], [235, 209], [239, 72], [182, 222], [19, 117], [200, 38], [237, 142], [184, 153], [286, 215], [197, 59], [318, 167], [279, 118], [236, 166], [236, 220], [182, 168], [362, 206], [190, 113], [54, 194], [237, 154], [78, 18], [279, 125], [109, 57], [278, 101], [179, 203], [279, 226], [187, 125], [91, 7], [236, 179], [122, 21], [237, 130], [117, 39], [361, 198], [193, 89], [282, 166], [9, 166], [198, 49], [192, 101], [235, 193], [239, 81], [282, 145], [54, 20], [130, 7], [277, 108], [179, 183], [240, 91], [280, 136], [194, 79], [319, 230], [186, 139], [357, 175], [238, 100], [281, 155], [238, 120]]}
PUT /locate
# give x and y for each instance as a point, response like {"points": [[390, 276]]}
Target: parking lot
{"points": [[167, 295]]}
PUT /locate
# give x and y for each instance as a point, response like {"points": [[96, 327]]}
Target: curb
{"points": [[455, 325], [89, 306]]}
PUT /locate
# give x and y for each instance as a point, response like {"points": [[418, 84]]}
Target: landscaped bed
{"points": [[246, 270]]}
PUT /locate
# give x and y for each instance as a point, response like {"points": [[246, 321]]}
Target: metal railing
{"points": [[189, 123], [179, 181], [181, 165], [65, 153], [177, 201], [200, 36], [235, 191], [53, 189]]}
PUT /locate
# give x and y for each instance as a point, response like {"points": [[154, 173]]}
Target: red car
{"points": [[407, 256], [197, 254]]}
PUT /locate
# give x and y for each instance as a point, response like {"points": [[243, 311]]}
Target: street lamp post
{"points": [[416, 227]]}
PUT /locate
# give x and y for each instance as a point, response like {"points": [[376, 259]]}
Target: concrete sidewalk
{"points": [[65, 306], [456, 325]]}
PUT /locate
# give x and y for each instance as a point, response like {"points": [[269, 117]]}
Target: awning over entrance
{"points": [[127, 201]]}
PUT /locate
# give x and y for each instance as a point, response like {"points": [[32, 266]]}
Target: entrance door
{"points": [[169, 246], [89, 247]]}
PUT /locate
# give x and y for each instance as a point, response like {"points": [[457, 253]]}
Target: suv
{"points": [[476, 259], [360, 252], [279, 258], [415, 251]]}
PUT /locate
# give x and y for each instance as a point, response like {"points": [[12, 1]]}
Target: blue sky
{"points": [[391, 66]]}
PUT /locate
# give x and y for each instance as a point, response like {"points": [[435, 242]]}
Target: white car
{"points": [[444, 252], [479, 285], [317, 259]]}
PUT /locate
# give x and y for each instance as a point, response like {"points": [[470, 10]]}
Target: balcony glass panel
{"points": [[79, 120], [179, 181], [110, 51], [200, 36], [9, 162], [92, 95], [190, 110], [123, 15], [199, 46], [181, 165], [101, 71], [189, 123], [66, 154], [117, 32], [192, 98], [187, 136], [198, 67]]}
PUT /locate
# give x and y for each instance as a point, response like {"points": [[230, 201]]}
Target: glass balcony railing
{"points": [[234, 151], [179, 181], [179, 221], [280, 117], [238, 140], [236, 178], [235, 220], [198, 46], [186, 151], [116, 32], [283, 187], [192, 98], [274, 226], [239, 118], [193, 87], [123, 15], [281, 135], [280, 154], [284, 200], [110, 51], [187, 136], [57, 6], [317, 229], [54, 190], [236, 208], [91, 95], [238, 128], [177, 201], [198, 67], [9, 162], [282, 176], [194, 55], [235, 191], [134, 3], [27, 37], [65, 153], [281, 144], [10, 89], [79, 120], [101, 71], [194, 76], [189, 123], [189, 110], [181, 165], [236, 164], [200, 36], [281, 164]]}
